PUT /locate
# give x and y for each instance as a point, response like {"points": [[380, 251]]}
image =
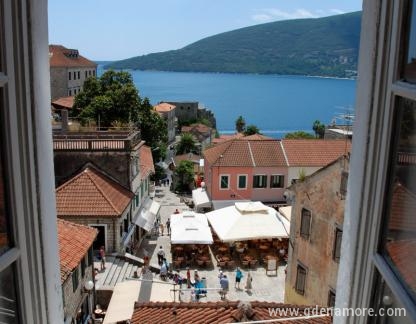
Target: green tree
{"points": [[111, 98], [299, 134], [186, 144], [185, 175], [240, 124], [251, 130], [319, 129], [153, 129]]}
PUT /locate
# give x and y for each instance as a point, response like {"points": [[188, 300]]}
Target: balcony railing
{"points": [[96, 141]]}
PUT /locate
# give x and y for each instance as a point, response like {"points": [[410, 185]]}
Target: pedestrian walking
{"points": [[160, 255], [168, 226], [249, 282], [224, 286], [188, 277], [102, 256], [162, 229], [220, 274], [238, 276]]}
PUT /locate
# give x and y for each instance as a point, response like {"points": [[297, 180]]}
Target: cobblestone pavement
{"points": [[265, 287]]}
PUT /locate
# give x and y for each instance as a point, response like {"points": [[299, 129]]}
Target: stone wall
{"points": [[115, 164], [73, 299], [320, 194], [59, 83]]}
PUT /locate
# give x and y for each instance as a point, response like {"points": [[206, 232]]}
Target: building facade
{"points": [[68, 71], [315, 234], [167, 111], [245, 169], [77, 270]]}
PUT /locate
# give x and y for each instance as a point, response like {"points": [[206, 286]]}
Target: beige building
{"points": [[167, 111], [316, 234], [68, 70]]}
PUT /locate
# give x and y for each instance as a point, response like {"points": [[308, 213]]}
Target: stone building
{"points": [[316, 234], [167, 111], [123, 158], [92, 198], [77, 268], [191, 111], [202, 134], [68, 70]]}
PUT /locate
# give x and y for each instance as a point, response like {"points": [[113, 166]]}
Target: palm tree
{"points": [[240, 124], [186, 144]]}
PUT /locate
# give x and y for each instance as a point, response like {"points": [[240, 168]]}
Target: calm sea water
{"points": [[275, 104]]}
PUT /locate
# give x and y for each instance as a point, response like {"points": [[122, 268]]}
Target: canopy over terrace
{"points": [[190, 228], [248, 221]]}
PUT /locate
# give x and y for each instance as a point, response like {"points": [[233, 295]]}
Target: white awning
{"points": [[225, 203], [190, 228], [200, 198], [147, 215], [248, 221]]}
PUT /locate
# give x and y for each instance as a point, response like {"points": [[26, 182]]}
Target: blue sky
{"points": [[112, 30]]}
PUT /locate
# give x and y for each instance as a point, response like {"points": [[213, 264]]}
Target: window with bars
{"points": [[260, 181], [305, 223], [300, 279]]}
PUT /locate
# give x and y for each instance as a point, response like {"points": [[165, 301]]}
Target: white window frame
{"points": [[228, 181], [28, 162], [238, 181], [377, 86]]}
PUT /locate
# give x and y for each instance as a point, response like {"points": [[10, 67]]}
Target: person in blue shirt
{"points": [[224, 286], [238, 276]]}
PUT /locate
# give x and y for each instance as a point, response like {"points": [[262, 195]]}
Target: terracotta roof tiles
{"points": [[211, 312], [60, 56], [311, 152], [146, 161], [403, 255], [64, 102], [92, 193], [403, 206], [74, 242], [247, 153], [164, 107]]}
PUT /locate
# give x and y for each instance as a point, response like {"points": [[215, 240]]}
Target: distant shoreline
{"points": [[239, 73]]}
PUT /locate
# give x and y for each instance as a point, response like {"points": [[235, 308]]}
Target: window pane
{"points": [[8, 302], [224, 182], [4, 237], [241, 181], [410, 64], [400, 235]]}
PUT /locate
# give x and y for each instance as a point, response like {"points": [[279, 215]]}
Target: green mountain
{"points": [[319, 46]]}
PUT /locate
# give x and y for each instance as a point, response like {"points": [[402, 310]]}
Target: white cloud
{"points": [[262, 18], [337, 11], [271, 14]]}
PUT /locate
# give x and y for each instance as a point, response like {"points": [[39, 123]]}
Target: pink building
{"points": [[249, 168]]}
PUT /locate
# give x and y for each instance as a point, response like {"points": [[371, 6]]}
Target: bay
{"points": [[276, 104]]}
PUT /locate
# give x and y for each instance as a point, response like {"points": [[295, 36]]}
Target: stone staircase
{"points": [[118, 268]]}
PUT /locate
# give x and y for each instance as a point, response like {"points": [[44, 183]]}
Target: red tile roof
{"points": [[314, 152], [403, 206], [257, 137], [164, 107], [74, 242], [146, 161], [216, 312], [91, 193], [403, 255], [64, 102], [247, 153], [196, 128], [60, 56], [224, 138]]}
